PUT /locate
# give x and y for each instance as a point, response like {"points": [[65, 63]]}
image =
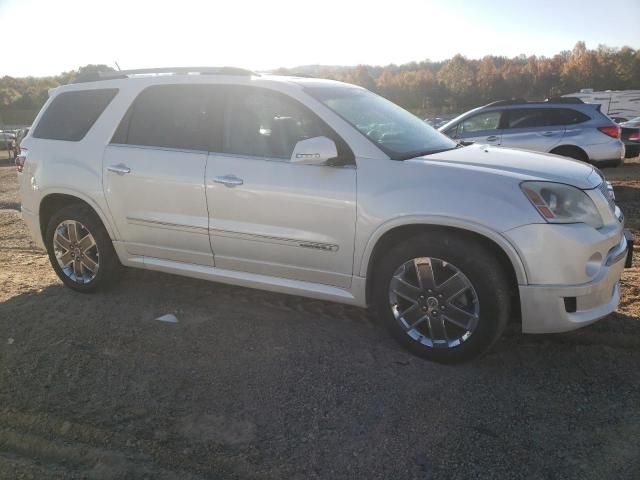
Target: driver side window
{"points": [[481, 122], [264, 123]]}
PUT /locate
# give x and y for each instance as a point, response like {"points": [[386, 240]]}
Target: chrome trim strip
{"points": [[326, 247], [174, 226], [149, 147]]}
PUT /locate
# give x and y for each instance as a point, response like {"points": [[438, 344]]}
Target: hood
{"points": [[520, 164]]}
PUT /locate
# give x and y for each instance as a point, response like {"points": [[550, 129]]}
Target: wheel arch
{"points": [[55, 200], [569, 147], [389, 234]]}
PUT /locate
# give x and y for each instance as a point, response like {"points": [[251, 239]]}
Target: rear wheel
{"points": [[444, 297], [571, 152], [80, 249]]}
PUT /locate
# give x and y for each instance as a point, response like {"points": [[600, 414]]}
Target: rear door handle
{"points": [[228, 180], [547, 134], [119, 169], [492, 138]]}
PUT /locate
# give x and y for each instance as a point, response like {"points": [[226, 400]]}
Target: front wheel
{"points": [[443, 296], [80, 249]]}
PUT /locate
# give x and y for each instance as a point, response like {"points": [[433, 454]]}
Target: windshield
{"points": [[398, 133]]}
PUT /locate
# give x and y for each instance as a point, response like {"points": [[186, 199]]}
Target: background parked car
{"points": [[619, 119], [22, 132], [7, 141], [631, 138], [563, 126], [436, 122], [634, 122]]}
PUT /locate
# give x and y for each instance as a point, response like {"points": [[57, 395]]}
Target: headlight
{"points": [[560, 203]]}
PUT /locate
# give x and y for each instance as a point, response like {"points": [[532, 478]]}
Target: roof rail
{"points": [[177, 70], [563, 100], [514, 101], [521, 101]]}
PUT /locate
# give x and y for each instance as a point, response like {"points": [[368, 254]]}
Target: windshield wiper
{"points": [[422, 153]]}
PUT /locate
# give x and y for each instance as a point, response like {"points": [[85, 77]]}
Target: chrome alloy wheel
{"points": [[76, 251], [434, 302]]}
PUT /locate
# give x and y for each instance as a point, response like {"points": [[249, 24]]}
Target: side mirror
{"points": [[314, 151]]}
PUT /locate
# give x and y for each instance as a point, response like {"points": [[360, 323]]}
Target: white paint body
{"points": [[311, 229]]}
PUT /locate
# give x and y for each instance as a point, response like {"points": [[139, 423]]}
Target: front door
{"points": [[272, 217], [482, 128], [153, 175]]}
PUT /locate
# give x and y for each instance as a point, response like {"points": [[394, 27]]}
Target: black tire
{"points": [[481, 267], [109, 268], [571, 152]]}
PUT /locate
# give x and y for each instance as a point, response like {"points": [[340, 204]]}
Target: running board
{"points": [[245, 279]]}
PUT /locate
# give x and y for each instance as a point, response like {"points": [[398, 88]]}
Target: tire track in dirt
{"points": [[85, 449]]}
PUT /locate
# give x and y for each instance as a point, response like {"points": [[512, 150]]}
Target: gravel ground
{"points": [[257, 385]]}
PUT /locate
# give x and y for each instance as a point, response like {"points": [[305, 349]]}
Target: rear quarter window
{"points": [[72, 114], [567, 116]]}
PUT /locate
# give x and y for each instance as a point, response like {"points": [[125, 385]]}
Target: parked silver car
{"points": [[564, 126], [318, 188]]}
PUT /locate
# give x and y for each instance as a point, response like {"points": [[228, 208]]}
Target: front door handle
{"points": [[119, 169], [492, 138], [228, 180]]}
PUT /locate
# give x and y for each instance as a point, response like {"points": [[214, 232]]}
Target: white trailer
{"points": [[618, 104]]}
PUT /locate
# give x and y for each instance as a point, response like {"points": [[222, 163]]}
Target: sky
{"points": [[47, 37]]}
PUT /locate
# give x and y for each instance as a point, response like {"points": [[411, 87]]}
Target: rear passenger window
{"points": [[264, 123], [529, 118], [71, 114], [567, 116], [167, 116], [543, 117]]}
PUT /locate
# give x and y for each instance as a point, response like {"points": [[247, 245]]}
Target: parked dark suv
{"points": [[564, 126]]}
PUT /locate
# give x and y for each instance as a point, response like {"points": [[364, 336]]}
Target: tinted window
{"points": [[543, 117], [264, 123], [529, 118], [482, 121], [567, 116], [71, 114], [167, 116]]}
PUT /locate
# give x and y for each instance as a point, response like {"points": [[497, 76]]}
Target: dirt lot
{"points": [[257, 385]]}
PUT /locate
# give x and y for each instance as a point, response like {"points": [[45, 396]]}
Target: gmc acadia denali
{"points": [[321, 189]]}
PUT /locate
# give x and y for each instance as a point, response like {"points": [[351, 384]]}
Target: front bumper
{"points": [[560, 308]]}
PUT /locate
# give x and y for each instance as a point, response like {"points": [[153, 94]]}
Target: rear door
{"points": [[483, 128], [539, 129], [270, 216], [153, 175]]}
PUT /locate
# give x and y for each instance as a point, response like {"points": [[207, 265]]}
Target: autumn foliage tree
{"points": [[459, 83], [425, 87]]}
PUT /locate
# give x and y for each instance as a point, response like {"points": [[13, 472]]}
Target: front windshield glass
{"points": [[398, 133]]}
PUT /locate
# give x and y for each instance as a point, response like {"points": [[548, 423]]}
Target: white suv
{"points": [[321, 189]]}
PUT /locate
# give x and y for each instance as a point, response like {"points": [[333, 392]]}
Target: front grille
{"points": [[604, 189]]}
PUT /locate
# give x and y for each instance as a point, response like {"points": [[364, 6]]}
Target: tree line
{"points": [[426, 87], [459, 83]]}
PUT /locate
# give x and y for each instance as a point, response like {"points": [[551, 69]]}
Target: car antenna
{"points": [[117, 66]]}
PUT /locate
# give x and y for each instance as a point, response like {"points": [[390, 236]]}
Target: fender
{"points": [[437, 220], [111, 229]]}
